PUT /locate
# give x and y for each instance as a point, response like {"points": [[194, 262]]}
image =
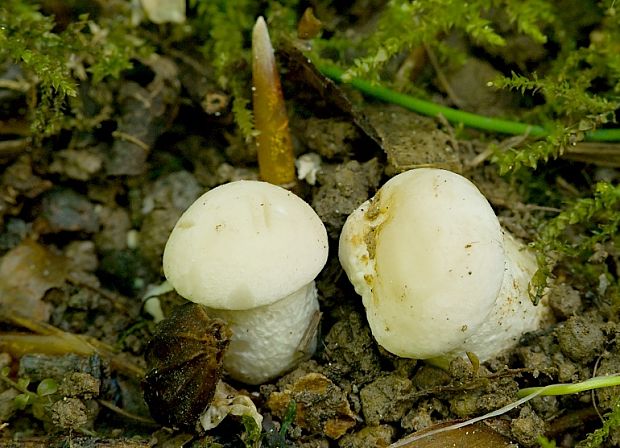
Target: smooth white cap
{"points": [[426, 255], [245, 244]]}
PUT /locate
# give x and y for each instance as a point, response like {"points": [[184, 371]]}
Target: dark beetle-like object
{"points": [[184, 364]]}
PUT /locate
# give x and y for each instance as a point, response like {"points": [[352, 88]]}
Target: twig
{"points": [[11, 84], [82, 344], [13, 147], [441, 77], [130, 138], [124, 413]]}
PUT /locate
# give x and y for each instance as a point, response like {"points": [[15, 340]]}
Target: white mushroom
{"points": [[437, 274], [250, 251]]}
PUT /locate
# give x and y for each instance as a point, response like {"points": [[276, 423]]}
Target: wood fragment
{"points": [[601, 154]]}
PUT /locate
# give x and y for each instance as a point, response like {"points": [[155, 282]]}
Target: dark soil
{"points": [[84, 221]]}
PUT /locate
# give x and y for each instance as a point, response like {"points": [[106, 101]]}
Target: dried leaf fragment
{"points": [[321, 405], [478, 435], [26, 273]]}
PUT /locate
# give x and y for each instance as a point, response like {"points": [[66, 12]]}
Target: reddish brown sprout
{"points": [[276, 161]]}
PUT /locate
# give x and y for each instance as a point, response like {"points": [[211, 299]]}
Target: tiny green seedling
{"points": [[277, 439], [38, 400]]}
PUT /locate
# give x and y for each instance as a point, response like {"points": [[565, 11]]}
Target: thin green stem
{"points": [[455, 115], [17, 386], [604, 135], [572, 388]]}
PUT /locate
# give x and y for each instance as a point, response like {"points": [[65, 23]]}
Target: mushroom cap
{"points": [[245, 244], [426, 255]]}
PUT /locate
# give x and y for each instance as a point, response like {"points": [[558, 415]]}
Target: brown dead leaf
{"points": [[411, 140], [26, 273], [478, 435]]}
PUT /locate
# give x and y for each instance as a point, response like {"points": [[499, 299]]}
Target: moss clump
{"points": [[56, 61], [595, 221]]}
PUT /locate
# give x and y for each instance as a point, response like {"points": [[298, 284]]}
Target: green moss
{"points": [[594, 220], [404, 25], [579, 85], [228, 26], [539, 151], [597, 437], [56, 61]]}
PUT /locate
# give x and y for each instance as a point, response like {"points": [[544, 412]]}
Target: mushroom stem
{"points": [[283, 336], [276, 161], [513, 313]]}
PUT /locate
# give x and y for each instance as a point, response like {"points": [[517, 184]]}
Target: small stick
{"points": [[49, 336], [120, 411], [442, 78]]}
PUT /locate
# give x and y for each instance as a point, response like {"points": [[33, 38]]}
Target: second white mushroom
{"points": [[437, 274]]}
